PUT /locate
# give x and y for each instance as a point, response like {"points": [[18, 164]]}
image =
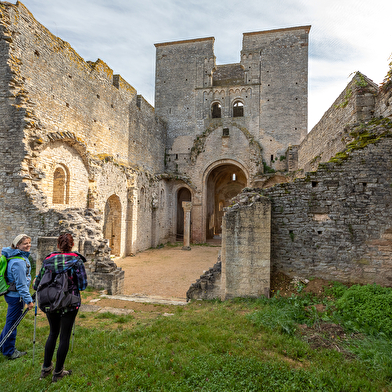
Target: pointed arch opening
{"points": [[112, 224]]}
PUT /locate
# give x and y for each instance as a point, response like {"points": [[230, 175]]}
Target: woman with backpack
{"points": [[62, 320], [19, 278]]}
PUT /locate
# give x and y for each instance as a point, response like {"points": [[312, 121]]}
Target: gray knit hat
{"points": [[18, 238]]}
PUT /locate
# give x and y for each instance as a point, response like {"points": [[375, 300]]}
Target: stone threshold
{"points": [[149, 299]]}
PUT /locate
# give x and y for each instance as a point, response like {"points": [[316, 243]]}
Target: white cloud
{"points": [[346, 36]]}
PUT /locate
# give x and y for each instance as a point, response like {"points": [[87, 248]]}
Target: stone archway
{"points": [[183, 194], [112, 224], [223, 183]]}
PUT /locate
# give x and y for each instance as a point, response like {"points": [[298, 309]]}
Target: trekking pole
{"points": [[73, 335], [13, 327], [35, 324]]}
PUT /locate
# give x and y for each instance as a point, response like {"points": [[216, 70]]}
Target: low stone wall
{"points": [[208, 286], [336, 222]]}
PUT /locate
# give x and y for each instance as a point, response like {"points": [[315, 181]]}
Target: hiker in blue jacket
{"points": [[18, 272]]}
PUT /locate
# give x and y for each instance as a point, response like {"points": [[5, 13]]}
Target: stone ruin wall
{"points": [[59, 111], [329, 136], [335, 223], [246, 239]]}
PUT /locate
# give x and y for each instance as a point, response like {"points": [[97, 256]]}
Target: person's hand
{"points": [[30, 305]]}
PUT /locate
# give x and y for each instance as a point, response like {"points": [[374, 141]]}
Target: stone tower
{"points": [[227, 123]]}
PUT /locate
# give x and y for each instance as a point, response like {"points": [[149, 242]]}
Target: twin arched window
{"points": [[238, 109]]}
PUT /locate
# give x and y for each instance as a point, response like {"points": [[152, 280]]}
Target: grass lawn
{"points": [[302, 343]]}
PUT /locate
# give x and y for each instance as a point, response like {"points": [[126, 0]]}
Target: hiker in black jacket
{"points": [[61, 321]]}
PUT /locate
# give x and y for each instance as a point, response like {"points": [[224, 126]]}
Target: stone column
{"points": [[187, 206]]}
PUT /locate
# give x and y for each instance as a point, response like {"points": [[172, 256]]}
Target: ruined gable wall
{"points": [[329, 136], [384, 103], [336, 222]]}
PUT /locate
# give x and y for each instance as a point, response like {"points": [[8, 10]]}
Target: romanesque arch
{"points": [[183, 194], [112, 224], [60, 185], [63, 175], [223, 180]]}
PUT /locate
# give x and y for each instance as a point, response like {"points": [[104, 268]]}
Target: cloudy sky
{"points": [[346, 35]]}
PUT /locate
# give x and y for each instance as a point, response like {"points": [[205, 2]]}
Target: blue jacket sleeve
{"points": [[22, 282]]}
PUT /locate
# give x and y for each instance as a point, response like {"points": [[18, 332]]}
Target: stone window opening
{"points": [[272, 158], [226, 132], [234, 177], [238, 109], [216, 110], [60, 186], [314, 184], [176, 157]]}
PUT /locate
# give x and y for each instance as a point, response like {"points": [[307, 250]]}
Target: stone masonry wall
{"points": [[336, 222], [329, 136], [59, 111], [246, 245]]}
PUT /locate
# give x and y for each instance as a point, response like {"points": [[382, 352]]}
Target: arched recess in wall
{"points": [[65, 177], [183, 194], [223, 181], [112, 224], [61, 184]]}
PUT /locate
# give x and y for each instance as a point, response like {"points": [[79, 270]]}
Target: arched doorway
{"points": [[223, 183], [112, 224], [183, 194]]}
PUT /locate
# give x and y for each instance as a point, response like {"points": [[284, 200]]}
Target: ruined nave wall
{"points": [[336, 222], [329, 136], [61, 111]]}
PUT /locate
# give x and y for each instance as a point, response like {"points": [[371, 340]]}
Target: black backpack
{"points": [[53, 292]]}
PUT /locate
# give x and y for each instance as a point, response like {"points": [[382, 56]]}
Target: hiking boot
{"points": [[17, 354], [46, 371], [59, 375]]}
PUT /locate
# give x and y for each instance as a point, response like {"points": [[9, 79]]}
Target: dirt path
{"points": [[167, 272]]}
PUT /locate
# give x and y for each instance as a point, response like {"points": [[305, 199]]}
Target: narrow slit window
{"points": [[60, 186]]}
